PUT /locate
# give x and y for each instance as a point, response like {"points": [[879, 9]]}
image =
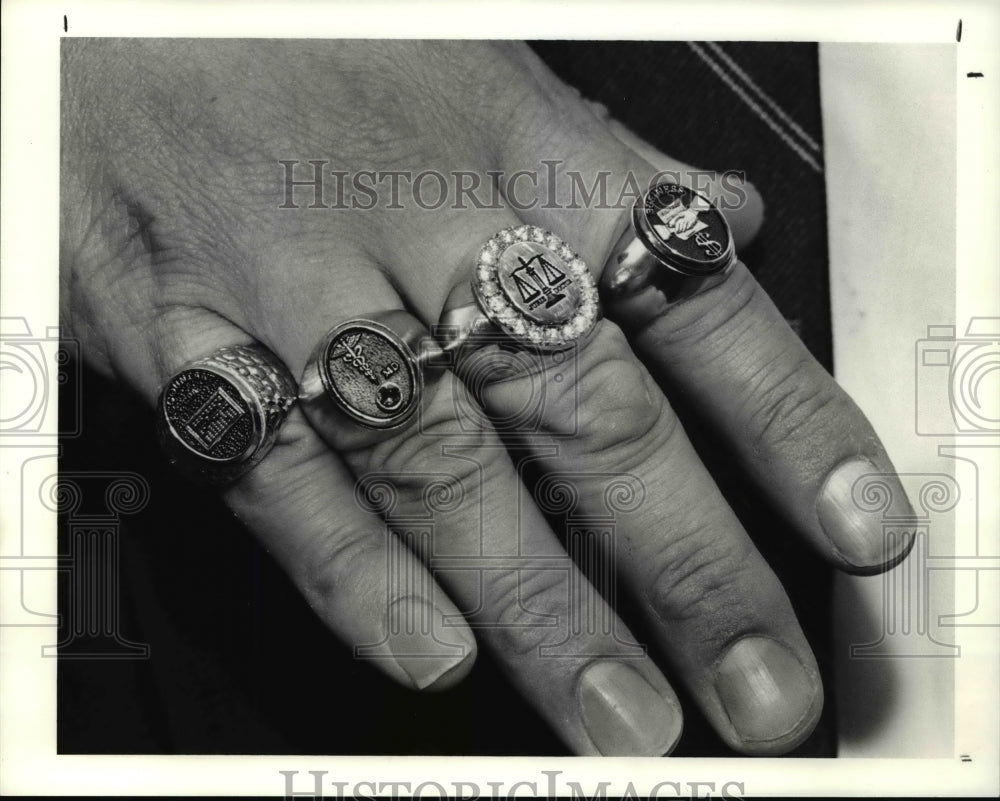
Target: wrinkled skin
{"points": [[175, 242]]}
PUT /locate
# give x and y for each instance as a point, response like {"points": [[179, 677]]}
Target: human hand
{"points": [[685, 220], [175, 243]]}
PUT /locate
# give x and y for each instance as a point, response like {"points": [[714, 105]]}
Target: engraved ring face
{"points": [[370, 373], [684, 230], [221, 414], [208, 413], [533, 286]]}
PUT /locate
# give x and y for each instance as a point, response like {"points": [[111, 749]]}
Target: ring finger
{"points": [[718, 612], [447, 485]]}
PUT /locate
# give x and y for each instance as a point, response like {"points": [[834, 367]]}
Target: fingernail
{"points": [[624, 715], [421, 645], [765, 690], [852, 514]]}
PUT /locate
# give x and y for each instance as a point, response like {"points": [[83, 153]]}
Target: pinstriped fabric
{"points": [[729, 77], [771, 104]]}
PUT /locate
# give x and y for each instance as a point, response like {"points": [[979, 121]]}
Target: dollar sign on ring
{"points": [[712, 248]]}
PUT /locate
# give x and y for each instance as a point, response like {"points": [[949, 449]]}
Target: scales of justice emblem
{"points": [[535, 288], [539, 282]]}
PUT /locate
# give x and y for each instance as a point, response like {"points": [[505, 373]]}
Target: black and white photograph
{"points": [[531, 400]]}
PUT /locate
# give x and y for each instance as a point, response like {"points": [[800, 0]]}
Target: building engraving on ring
{"points": [[533, 286], [208, 414], [220, 415], [216, 417], [371, 373]]}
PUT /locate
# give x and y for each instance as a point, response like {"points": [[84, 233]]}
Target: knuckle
{"points": [[332, 555], [528, 609], [426, 481], [331, 566], [418, 454], [623, 417], [288, 471], [610, 419], [793, 404], [700, 578], [289, 474], [419, 490], [525, 392], [418, 449], [713, 325]]}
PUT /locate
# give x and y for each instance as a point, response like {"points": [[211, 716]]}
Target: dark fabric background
{"points": [[239, 664]]}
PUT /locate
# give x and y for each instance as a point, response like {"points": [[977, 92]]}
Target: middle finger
{"points": [[447, 489], [718, 611]]}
